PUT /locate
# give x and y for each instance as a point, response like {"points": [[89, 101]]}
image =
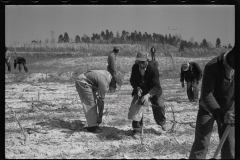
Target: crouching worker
{"points": [[146, 87], [217, 103], [192, 74], [92, 87], [20, 61]]}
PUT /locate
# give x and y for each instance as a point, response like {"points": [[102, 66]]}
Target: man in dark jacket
{"points": [[112, 61], [146, 87], [217, 102], [20, 61], [192, 74], [153, 51]]}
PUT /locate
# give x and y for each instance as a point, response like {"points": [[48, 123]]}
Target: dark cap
{"points": [[116, 48], [185, 67]]}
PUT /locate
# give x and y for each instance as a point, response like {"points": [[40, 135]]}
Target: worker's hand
{"points": [[183, 85], [99, 120], [145, 98], [219, 115], [139, 91], [229, 118]]}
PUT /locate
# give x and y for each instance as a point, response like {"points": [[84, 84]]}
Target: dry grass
{"points": [[84, 49], [60, 69]]}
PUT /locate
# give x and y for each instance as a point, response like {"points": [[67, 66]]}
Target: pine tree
{"points": [[60, 39], [66, 38], [77, 39]]}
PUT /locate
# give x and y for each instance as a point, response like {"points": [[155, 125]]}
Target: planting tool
{"points": [[225, 134], [142, 131]]}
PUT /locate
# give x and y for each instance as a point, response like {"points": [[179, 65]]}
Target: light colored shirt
{"points": [[7, 54], [99, 80]]}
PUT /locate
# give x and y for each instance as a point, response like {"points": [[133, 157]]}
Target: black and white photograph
{"points": [[120, 81]]}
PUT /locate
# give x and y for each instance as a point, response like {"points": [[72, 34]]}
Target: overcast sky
{"points": [[27, 23]]}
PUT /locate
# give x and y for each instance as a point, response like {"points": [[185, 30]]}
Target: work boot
{"points": [[136, 134], [164, 127], [94, 129]]}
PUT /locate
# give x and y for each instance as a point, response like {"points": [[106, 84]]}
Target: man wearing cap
{"points": [[192, 74], [7, 59], [112, 61], [92, 87], [217, 103], [146, 87]]}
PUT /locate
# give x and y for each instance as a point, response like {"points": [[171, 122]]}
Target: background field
{"points": [[49, 109]]}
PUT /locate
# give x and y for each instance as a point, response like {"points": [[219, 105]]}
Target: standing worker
{"points": [[192, 74], [146, 87], [217, 102], [153, 51], [7, 59], [92, 87], [112, 61]]}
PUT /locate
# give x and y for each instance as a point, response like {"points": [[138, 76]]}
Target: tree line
{"points": [[136, 37]]}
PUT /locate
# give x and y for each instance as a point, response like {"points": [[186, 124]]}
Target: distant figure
{"points": [[7, 59], [192, 74], [19, 61], [153, 51], [112, 61]]}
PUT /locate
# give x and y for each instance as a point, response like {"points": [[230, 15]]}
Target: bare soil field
{"points": [[48, 108]]}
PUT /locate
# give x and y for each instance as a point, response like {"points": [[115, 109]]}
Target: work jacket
{"points": [[149, 83], [153, 50], [217, 87], [194, 72], [20, 60], [112, 64]]}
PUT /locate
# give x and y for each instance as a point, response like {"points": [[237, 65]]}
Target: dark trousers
{"points": [[9, 66], [24, 67], [153, 56], [204, 126], [192, 90], [111, 70], [158, 109]]}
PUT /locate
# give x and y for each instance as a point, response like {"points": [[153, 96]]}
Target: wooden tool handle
{"points": [[225, 134]]}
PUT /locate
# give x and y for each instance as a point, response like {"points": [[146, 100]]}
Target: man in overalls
{"points": [[92, 87]]}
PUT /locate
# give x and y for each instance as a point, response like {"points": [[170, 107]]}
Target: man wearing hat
{"points": [[92, 87], [192, 74], [112, 61], [217, 103], [146, 88]]}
